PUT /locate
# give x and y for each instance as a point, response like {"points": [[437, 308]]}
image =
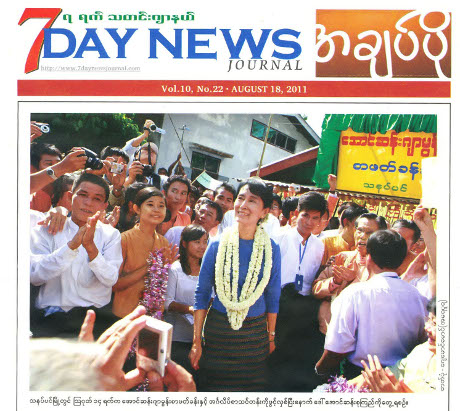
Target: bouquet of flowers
{"points": [[339, 384]]}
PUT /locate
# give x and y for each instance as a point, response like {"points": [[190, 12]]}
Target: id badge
{"points": [[298, 282]]}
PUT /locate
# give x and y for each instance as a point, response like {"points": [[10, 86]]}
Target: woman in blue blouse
{"points": [[243, 266]]}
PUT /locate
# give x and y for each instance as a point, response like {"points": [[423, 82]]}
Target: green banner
{"points": [[334, 124]]}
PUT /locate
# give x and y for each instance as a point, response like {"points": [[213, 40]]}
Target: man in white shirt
{"points": [[225, 195], [77, 267], [208, 216], [143, 158], [297, 325], [384, 315]]}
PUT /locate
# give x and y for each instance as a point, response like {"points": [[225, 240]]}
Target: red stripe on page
{"points": [[234, 88]]}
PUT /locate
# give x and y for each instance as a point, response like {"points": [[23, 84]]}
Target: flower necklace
{"points": [[155, 283], [227, 261]]}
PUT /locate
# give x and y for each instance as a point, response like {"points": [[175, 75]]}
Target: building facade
{"points": [[228, 146]]}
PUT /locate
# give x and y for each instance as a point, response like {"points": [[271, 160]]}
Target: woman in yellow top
{"points": [[136, 244]]}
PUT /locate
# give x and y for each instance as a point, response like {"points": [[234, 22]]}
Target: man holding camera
{"points": [[116, 161], [144, 157], [77, 267]]}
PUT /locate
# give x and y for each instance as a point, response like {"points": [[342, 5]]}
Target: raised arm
{"points": [[131, 145], [73, 161], [171, 167], [423, 220]]}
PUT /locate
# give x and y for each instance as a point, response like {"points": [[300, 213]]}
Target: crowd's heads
{"points": [[253, 202], [209, 194], [289, 206], [312, 201], [277, 206], [176, 179], [176, 189], [163, 172], [193, 196], [199, 202], [351, 213], [419, 246], [259, 188], [90, 194], [343, 206], [127, 213], [225, 196], [130, 194], [193, 233], [62, 191], [150, 204], [323, 222], [43, 155], [408, 230], [92, 179], [379, 220], [387, 249], [114, 152], [365, 225], [312, 206], [142, 154], [209, 214], [145, 193], [430, 324], [333, 224]]}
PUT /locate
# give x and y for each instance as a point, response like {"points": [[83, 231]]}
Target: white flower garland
{"points": [[228, 261]]}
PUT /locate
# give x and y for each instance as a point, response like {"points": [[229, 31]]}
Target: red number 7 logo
{"points": [[34, 53]]}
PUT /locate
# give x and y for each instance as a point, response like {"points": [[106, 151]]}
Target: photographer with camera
{"points": [[46, 166], [143, 158], [115, 173], [37, 129], [142, 169]]}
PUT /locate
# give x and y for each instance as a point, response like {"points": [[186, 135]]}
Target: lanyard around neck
{"points": [[302, 253]]}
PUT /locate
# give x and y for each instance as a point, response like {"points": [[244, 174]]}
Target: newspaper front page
{"points": [[290, 92]]}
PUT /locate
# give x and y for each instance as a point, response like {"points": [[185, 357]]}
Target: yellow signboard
{"points": [[386, 164]]}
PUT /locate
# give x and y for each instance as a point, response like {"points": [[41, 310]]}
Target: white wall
{"points": [[228, 133]]}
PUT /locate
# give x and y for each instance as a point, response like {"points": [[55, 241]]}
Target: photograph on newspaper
{"points": [[233, 209], [224, 173]]}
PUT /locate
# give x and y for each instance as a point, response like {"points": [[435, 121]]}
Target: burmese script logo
{"points": [[383, 44]]}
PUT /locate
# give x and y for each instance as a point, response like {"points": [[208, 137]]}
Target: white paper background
{"points": [[237, 14]]}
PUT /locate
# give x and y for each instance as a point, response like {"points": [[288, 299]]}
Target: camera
{"points": [[92, 161], [154, 128], [44, 127], [116, 168], [154, 346], [148, 170]]}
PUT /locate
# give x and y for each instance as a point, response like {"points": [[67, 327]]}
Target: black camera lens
{"points": [[152, 128], [148, 170], [92, 161]]}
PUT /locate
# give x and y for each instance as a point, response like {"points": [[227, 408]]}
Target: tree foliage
{"points": [[92, 130]]}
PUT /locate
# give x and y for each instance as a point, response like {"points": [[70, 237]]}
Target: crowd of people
{"points": [[264, 293]]}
